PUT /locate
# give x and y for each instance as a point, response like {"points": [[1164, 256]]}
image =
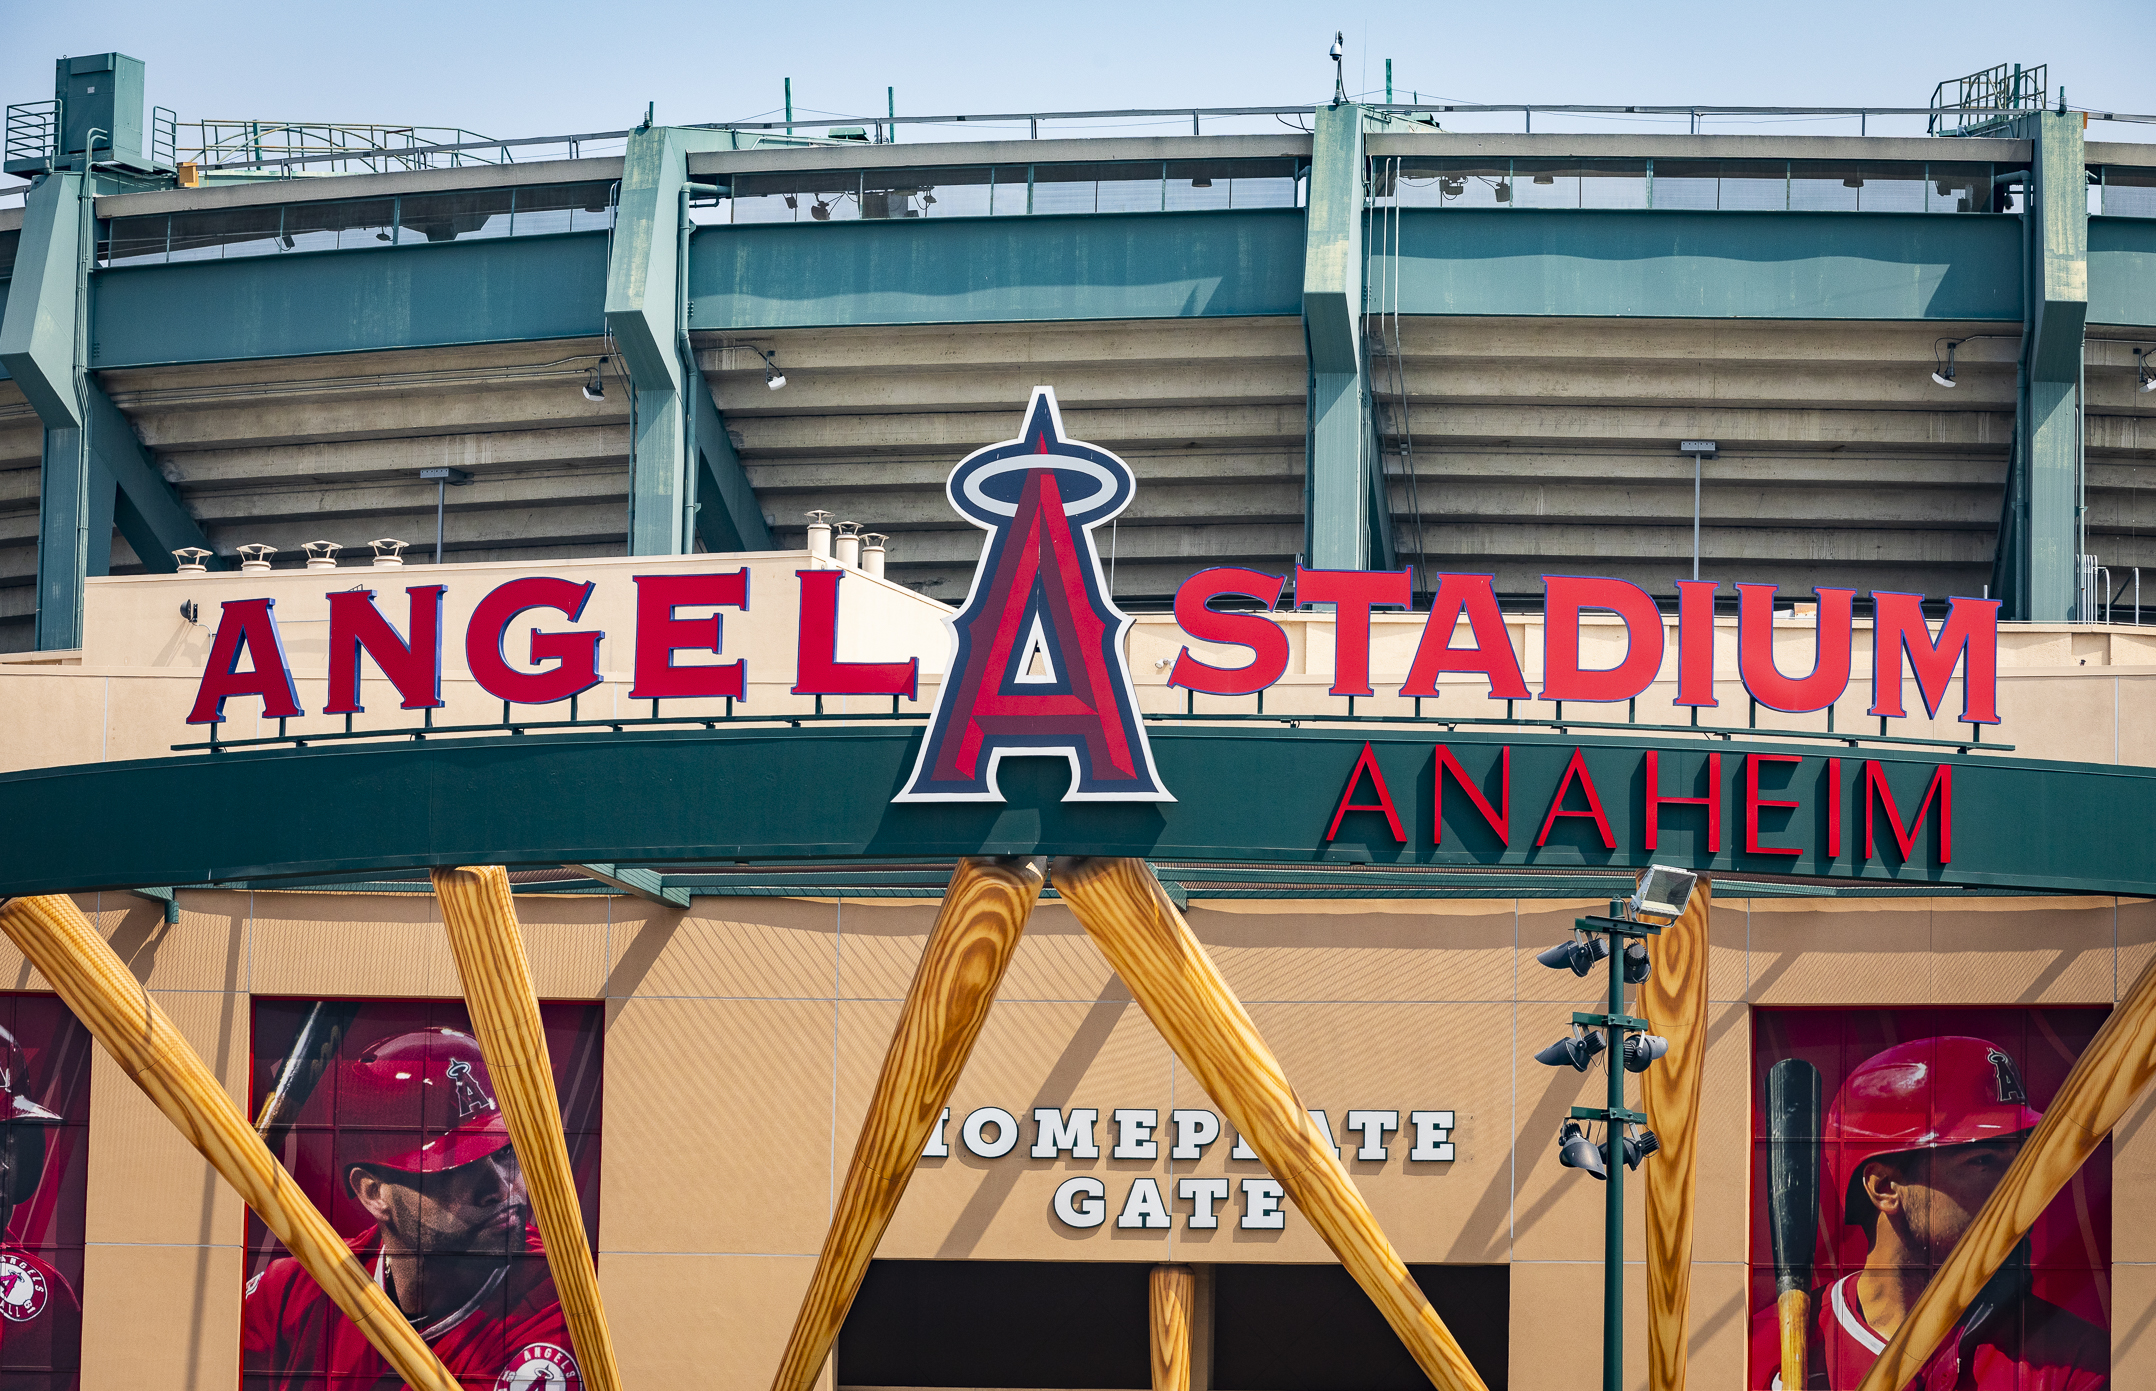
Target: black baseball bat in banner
{"points": [[297, 1076], [1794, 1117]]}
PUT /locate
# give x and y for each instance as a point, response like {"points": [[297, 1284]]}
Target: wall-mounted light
{"points": [[595, 386], [773, 377], [1944, 376], [2146, 380]]}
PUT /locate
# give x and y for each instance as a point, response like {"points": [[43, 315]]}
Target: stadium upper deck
{"points": [[1374, 344]]}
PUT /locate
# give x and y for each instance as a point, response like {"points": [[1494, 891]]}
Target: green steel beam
{"points": [[642, 799], [1339, 500], [643, 883], [2040, 543], [728, 517], [647, 311], [74, 534], [148, 512]]}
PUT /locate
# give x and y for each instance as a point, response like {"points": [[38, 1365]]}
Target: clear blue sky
{"points": [[546, 68]]}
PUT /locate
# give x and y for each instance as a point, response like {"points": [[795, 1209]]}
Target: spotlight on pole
{"points": [[1577, 956], [1639, 1147], [1636, 965], [1574, 1151], [1574, 1052], [1664, 891], [1641, 1050]]}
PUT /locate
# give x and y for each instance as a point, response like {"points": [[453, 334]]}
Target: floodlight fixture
{"points": [[1577, 956], [1575, 1151], [1637, 966], [1638, 1147], [1944, 375], [1664, 891], [595, 388], [2146, 380], [1641, 1051], [773, 377], [1575, 1052]]}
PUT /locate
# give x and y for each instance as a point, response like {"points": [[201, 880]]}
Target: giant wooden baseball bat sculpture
{"points": [[482, 922], [2105, 1079], [1674, 1002], [52, 932], [1124, 911], [984, 912], [1171, 1297]]}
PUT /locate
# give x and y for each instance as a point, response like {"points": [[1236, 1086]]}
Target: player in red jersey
{"points": [[452, 1242], [1916, 1140], [40, 1317]]}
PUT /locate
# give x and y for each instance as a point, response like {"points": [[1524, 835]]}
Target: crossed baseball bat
{"points": [[1123, 909]]}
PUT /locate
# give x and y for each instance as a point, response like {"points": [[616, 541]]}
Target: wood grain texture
{"points": [[1172, 1300], [1673, 1000], [53, 933], [1793, 1325], [2110, 1073], [483, 935], [1123, 909], [984, 913]]}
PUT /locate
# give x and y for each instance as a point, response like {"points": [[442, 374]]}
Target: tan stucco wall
{"points": [[744, 1035]]}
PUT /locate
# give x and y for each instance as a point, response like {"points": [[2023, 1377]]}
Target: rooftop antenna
{"points": [[789, 106], [1339, 82], [1388, 81]]}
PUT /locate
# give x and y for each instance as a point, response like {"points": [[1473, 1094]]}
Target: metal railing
{"points": [[164, 137], [347, 146], [32, 139], [1983, 102]]}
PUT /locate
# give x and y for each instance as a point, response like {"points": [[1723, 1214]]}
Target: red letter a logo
{"points": [[1038, 668]]}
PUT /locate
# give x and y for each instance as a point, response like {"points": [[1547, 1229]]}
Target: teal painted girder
{"points": [[1733, 265], [1244, 795], [502, 290], [986, 270], [2122, 271]]}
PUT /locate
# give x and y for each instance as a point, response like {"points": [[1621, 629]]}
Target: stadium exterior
{"points": [[1898, 366]]}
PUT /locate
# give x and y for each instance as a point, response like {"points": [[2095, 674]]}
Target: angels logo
{"points": [[1038, 666], [23, 1291], [471, 1097], [540, 1367]]}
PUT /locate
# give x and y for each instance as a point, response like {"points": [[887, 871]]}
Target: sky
{"points": [[547, 68]]}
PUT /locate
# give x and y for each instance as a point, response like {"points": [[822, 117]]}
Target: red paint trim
{"points": [[1499, 817], [1655, 800], [1475, 597], [1970, 636], [1197, 618], [1577, 768], [1366, 762], [1753, 802], [818, 670], [1352, 593]]}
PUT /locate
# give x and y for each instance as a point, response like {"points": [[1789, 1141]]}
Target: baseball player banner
{"points": [[385, 1113], [1878, 1134], [44, 1174]]}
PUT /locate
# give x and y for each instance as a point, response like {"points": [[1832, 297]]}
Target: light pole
{"points": [[1698, 449], [1627, 1047]]}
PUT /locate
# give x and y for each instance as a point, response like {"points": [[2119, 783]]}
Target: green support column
{"points": [[682, 465], [2037, 574], [1345, 526]]}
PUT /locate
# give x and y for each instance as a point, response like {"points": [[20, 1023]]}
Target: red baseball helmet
{"points": [[14, 1085], [429, 1085], [1925, 1094]]}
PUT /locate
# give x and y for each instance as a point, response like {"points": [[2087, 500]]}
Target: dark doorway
{"points": [[998, 1323], [1311, 1328]]}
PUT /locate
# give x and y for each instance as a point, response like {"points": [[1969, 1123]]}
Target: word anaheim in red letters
{"points": [[1901, 641]]}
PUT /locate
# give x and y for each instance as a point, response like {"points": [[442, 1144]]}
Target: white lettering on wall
{"points": [[1261, 1205], [1194, 1130], [1375, 1126], [1006, 1132], [1081, 1202], [1134, 1135], [1143, 1208], [1056, 1135], [1203, 1194], [938, 1147], [1432, 1131]]}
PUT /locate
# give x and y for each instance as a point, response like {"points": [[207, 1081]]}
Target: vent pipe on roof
{"points": [[191, 560], [255, 557], [819, 534], [872, 552], [848, 544], [388, 553], [322, 555]]}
